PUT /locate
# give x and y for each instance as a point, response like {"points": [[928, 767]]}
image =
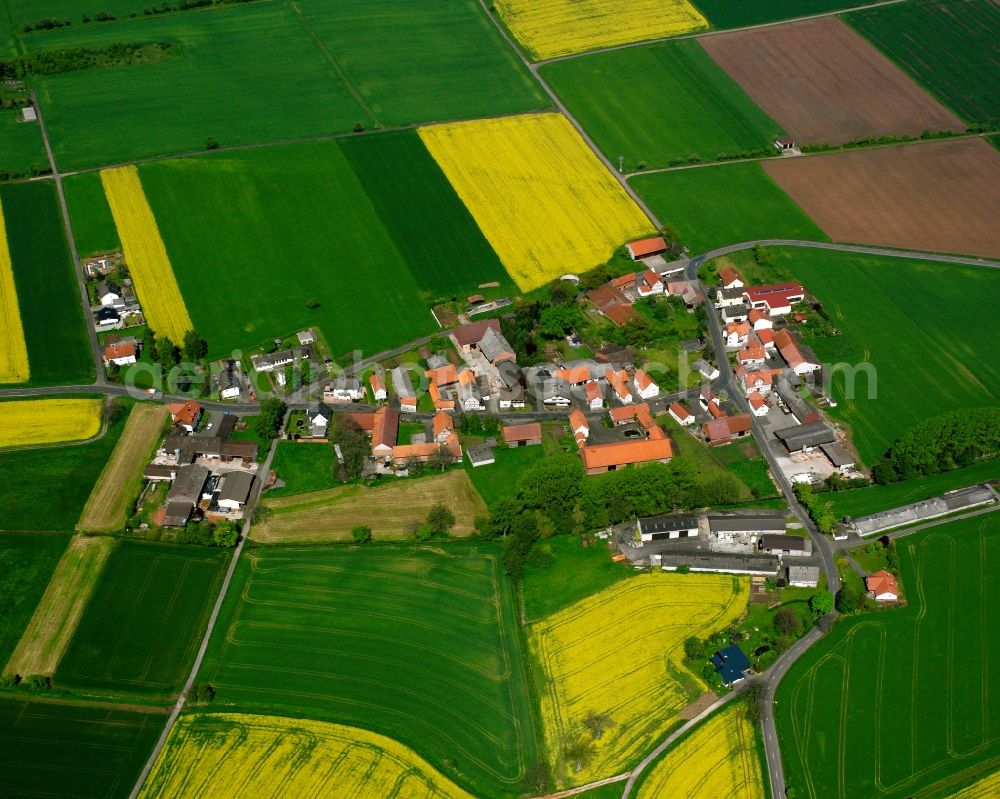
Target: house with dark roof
{"points": [[731, 664], [665, 528], [234, 490], [805, 436]]}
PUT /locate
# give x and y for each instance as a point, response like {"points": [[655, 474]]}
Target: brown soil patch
{"points": [[940, 197], [825, 84], [703, 702]]}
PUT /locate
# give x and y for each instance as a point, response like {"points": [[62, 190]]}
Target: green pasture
{"points": [[872, 499], [431, 227], [928, 330], [658, 103], [26, 564], [254, 236], [895, 703], [46, 488], [951, 48], [21, 145], [426, 61], [718, 205], [303, 468], [51, 311], [93, 226], [500, 479], [62, 751], [421, 646], [738, 13], [144, 621]]}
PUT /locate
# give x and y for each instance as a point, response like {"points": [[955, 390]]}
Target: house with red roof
{"points": [[576, 375], [882, 586], [681, 414], [758, 403], [730, 278], [737, 334], [649, 284], [579, 426], [618, 380], [751, 356], [594, 395], [761, 380], [776, 298], [610, 302], [644, 384], [644, 248], [765, 338], [522, 435], [794, 357], [727, 428], [760, 319], [377, 382], [120, 354], [185, 415]]}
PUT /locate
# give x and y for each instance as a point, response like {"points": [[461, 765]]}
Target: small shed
{"points": [[480, 455]]}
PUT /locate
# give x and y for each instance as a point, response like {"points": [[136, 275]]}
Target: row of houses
{"points": [[643, 442]]}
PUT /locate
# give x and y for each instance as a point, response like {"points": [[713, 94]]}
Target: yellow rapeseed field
{"points": [[145, 254], [230, 755], [48, 421], [543, 200], [986, 788], [13, 350], [620, 653], [550, 28], [718, 759]]}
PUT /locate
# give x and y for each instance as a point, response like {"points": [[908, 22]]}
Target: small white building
{"points": [[803, 576], [644, 385], [681, 414], [758, 403], [346, 389], [377, 382]]}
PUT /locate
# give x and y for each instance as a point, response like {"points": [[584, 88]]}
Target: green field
{"points": [[73, 752], [660, 103], [896, 703], [287, 225], [417, 645], [713, 206], [863, 501], [21, 145], [501, 478], [303, 468], [93, 226], [327, 69], [46, 488], [737, 13], [163, 587], [51, 311], [929, 330], [952, 48], [26, 564], [431, 227]]}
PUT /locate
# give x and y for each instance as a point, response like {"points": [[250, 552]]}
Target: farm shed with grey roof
{"points": [[802, 436]]}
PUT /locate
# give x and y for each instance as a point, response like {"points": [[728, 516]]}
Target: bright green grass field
{"points": [[68, 752], [717, 205], [26, 564], [431, 227], [45, 489], [144, 621], [47, 293], [872, 499], [420, 646], [20, 144], [424, 61], [93, 226], [255, 235], [658, 103], [898, 703], [500, 479], [737, 13], [303, 468], [952, 48], [930, 331]]}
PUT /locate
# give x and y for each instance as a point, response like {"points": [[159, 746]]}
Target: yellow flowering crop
{"points": [[155, 283], [47, 421], [620, 653], [13, 350], [231, 755], [550, 28], [718, 759], [986, 788], [543, 200]]}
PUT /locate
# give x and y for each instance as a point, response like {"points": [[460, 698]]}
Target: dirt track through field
{"points": [[58, 613], [106, 507], [940, 197], [825, 84], [329, 515]]}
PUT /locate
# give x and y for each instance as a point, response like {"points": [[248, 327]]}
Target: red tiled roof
{"points": [[751, 354], [728, 276], [622, 413], [442, 422], [882, 582], [650, 278], [756, 400], [643, 380], [473, 333], [185, 412], [114, 351], [760, 292], [593, 392], [601, 456], [385, 427], [765, 337], [617, 382], [522, 432], [741, 423], [620, 313], [577, 420], [644, 247], [680, 411], [578, 374], [443, 375], [623, 282], [756, 314], [716, 411], [377, 382], [366, 421], [739, 328], [716, 430]]}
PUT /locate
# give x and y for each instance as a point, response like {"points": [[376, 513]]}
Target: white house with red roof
{"points": [[737, 334], [758, 403], [594, 396], [730, 278], [119, 354], [794, 357], [707, 397], [760, 319], [649, 284], [644, 384], [752, 356], [681, 414], [377, 382], [882, 586], [776, 298], [619, 384], [761, 380], [578, 425]]}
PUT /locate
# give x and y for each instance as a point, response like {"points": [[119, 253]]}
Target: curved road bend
{"points": [[262, 472]]}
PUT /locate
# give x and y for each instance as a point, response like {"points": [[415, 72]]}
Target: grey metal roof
{"points": [[236, 486], [805, 435], [785, 542], [663, 524], [838, 455], [746, 522], [401, 382], [803, 574], [493, 344], [190, 481], [479, 454]]}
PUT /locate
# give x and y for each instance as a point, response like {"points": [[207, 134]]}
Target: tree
{"points": [[440, 519], [352, 442], [537, 778], [579, 751], [166, 354], [756, 697], [557, 320], [226, 535], [195, 347], [786, 621], [553, 485], [848, 599], [116, 410], [821, 603], [598, 723], [272, 414], [211, 143], [362, 534], [694, 648], [441, 459]]}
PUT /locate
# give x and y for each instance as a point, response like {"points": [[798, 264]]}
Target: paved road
{"points": [[262, 473]]}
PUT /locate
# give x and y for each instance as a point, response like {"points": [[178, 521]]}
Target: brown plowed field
{"points": [[942, 196], [825, 84]]}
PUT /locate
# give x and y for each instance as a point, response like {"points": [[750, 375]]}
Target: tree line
{"points": [[74, 59]]}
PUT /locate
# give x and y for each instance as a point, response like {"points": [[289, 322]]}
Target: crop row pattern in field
{"points": [[540, 196], [620, 653], [550, 28], [145, 254], [13, 350], [719, 758], [231, 755], [26, 423]]}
